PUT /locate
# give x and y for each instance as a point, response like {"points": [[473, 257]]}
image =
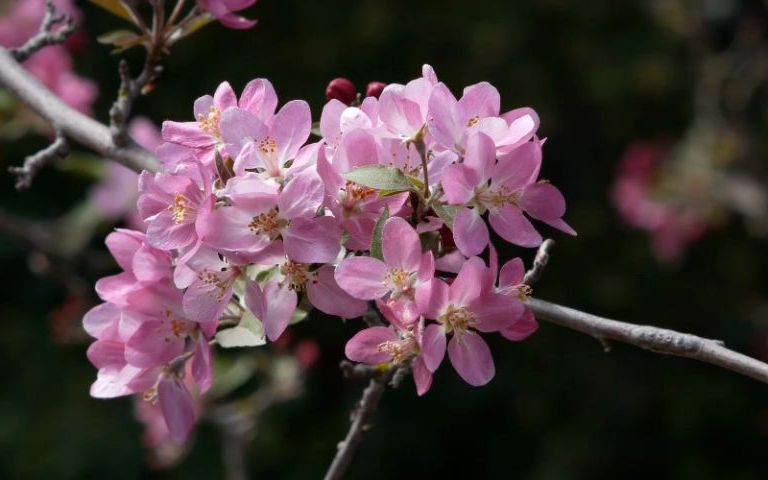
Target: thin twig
{"points": [[72, 123], [362, 418], [48, 33], [33, 163], [539, 262]]}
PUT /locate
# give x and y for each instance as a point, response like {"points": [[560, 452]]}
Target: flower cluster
{"points": [[249, 221]]}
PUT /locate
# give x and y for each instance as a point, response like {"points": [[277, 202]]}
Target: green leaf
{"points": [[122, 39], [116, 7], [446, 213], [416, 182], [191, 27], [380, 177], [249, 333], [377, 232]]}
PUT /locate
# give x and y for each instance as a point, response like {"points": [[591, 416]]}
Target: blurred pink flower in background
{"points": [[52, 65], [673, 225]]}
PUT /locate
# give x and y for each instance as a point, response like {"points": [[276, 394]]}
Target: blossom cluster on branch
{"points": [[250, 225]]}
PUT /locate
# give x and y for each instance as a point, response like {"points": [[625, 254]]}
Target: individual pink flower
{"points": [[224, 10], [403, 274], [271, 148], [451, 121], [175, 206], [463, 309], [261, 218], [505, 189], [205, 133], [399, 343], [404, 109], [511, 283]]}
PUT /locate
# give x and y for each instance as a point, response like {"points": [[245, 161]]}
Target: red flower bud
{"points": [[342, 89], [374, 89]]}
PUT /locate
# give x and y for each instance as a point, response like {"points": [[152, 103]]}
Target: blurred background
{"points": [[656, 118]]}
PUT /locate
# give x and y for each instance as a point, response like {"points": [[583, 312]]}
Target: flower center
{"points": [[267, 223], [181, 208], [522, 291], [298, 275], [473, 121], [210, 123], [401, 282], [353, 194], [218, 284], [457, 318], [400, 350], [497, 197]]}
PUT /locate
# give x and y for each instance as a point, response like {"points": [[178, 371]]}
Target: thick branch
{"points": [[362, 417], [33, 163], [48, 34], [659, 340], [72, 123]]}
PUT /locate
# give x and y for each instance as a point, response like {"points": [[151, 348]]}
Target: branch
{"points": [[659, 340], [33, 163], [362, 417], [539, 262], [46, 35], [72, 123], [130, 90]]}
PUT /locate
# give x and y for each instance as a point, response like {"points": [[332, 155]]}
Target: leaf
{"points": [[380, 177], [416, 182], [116, 7], [299, 316], [249, 333], [376, 251], [446, 213], [191, 27], [122, 39]]}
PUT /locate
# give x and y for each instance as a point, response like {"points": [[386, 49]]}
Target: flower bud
{"points": [[341, 89], [374, 89]]}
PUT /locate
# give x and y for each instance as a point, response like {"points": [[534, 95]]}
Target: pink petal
{"points": [[471, 357], [401, 246], [422, 377], [496, 312], [523, 328], [99, 318], [312, 240], [259, 98], [186, 133], [301, 196], [326, 295], [520, 167], [239, 127], [362, 277], [513, 227], [432, 300], [281, 304], [123, 244], [357, 148], [400, 114], [290, 128], [543, 201], [364, 346], [225, 96], [178, 408], [444, 124], [459, 182], [469, 282], [202, 364], [470, 232], [512, 273], [481, 100], [433, 346], [164, 233], [480, 156], [560, 224]]}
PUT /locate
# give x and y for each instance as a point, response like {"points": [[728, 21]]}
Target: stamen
{"points": [[210, 123]]}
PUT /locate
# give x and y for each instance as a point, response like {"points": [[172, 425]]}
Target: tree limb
{"points": [[659, 340], [72, 123]]}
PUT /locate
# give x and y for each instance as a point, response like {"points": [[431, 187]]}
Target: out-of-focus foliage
{"points": [[602, 75]]}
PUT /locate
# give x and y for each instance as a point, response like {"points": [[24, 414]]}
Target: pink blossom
{"points": [[224, 10], [261, 217], [404, 274], [505, 189], [399, 343], [463, 308], [511, 283]]}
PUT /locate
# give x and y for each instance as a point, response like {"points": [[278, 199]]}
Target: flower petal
{"points": [[362, 277], [470, 232], [471, 357], [364, 346]]}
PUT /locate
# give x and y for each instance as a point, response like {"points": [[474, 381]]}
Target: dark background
{"points": [[601, 74]]}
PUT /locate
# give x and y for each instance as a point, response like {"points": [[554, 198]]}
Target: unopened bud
{"points": [[343, 90], [374, 89]]}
